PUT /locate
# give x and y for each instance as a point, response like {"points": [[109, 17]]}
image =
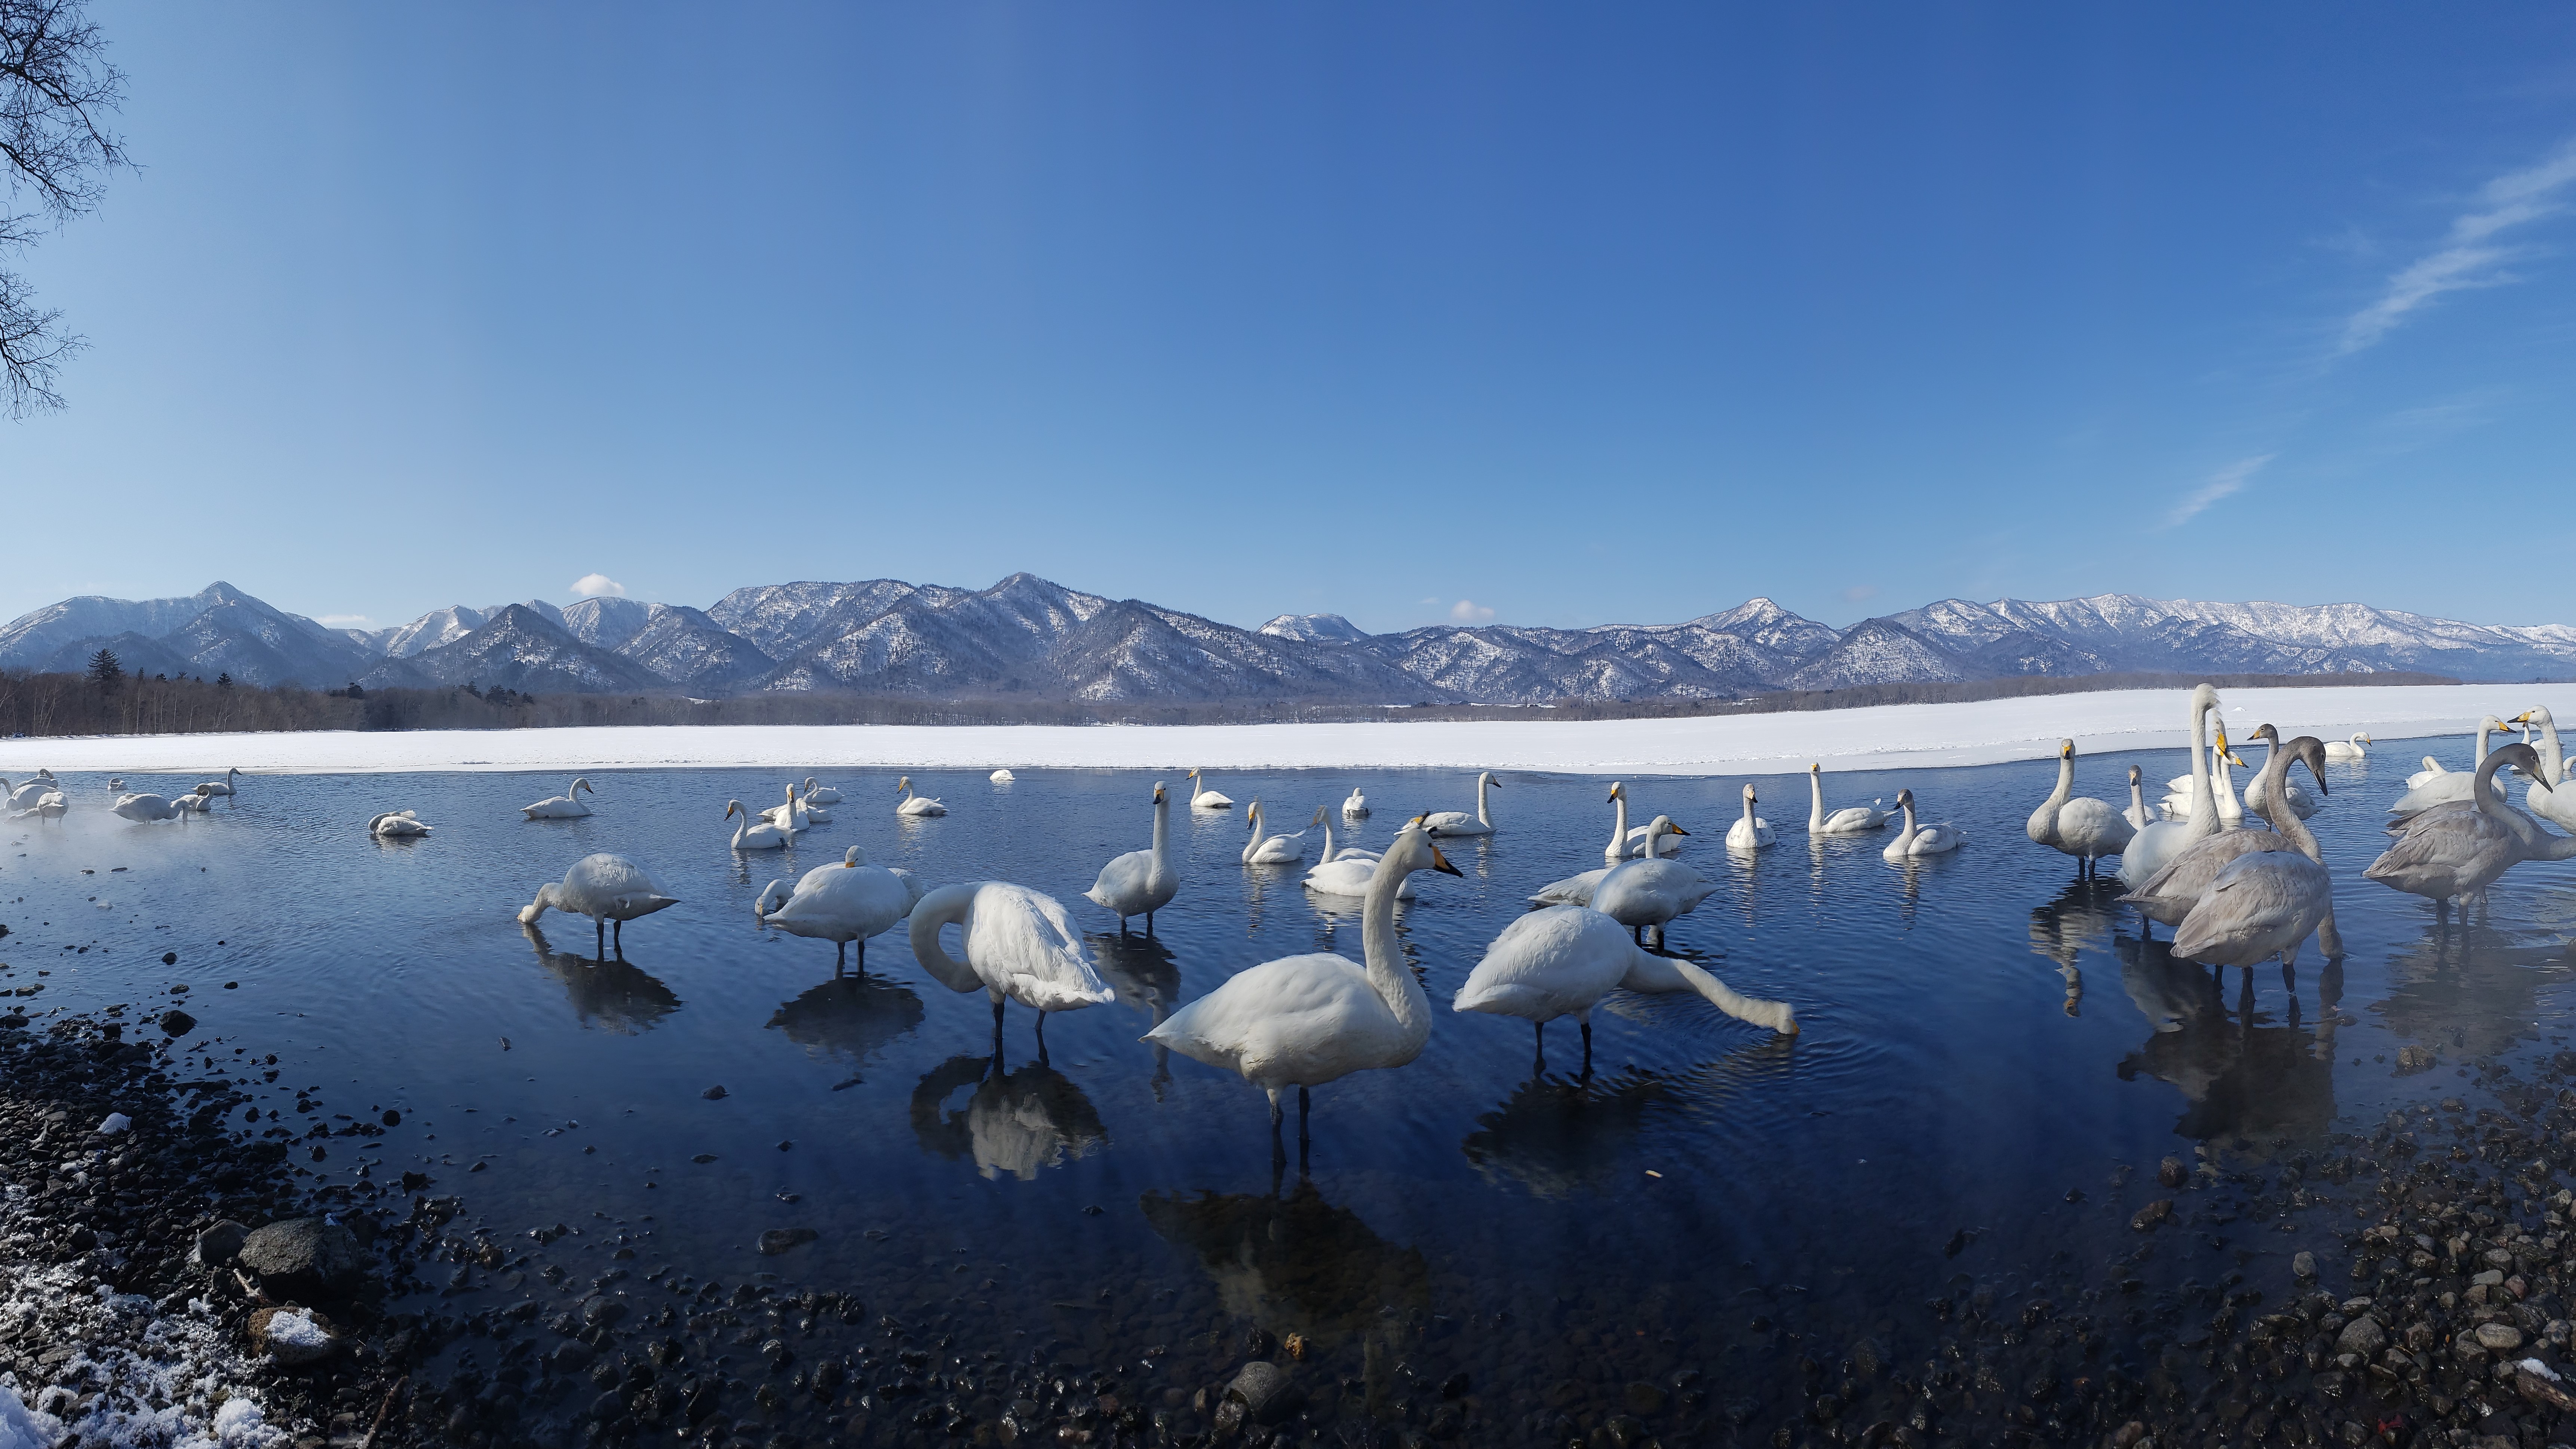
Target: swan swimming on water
{"points": [[1561, 961], [1444, 824], [1204, 798], [1302, 1021], [1019, 946], [1140, 882], [2452, 785], [1747, 834], [397, 825], [1274, 849], [1001, 777], [1850, 820], [607, 888], [1356, 807], [1914, 841], [1576, 890], [1347, 872], [2350, 749], [223, 786], [917, 806], [763, 836], [141, 807], [566, 806], [843, 903], [820, 794]]}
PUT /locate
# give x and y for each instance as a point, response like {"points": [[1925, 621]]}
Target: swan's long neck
{"points": [[1386, 970], [1908, 836], [2138, 798], [947, 906], [2276, 804], [1748, 812], [740, 829], [1618, 850], [1162, 836], [2482, 745], [2553, 763], [1259, 830], [2229, 808], [1483, 818], [2204, 801], [1325, 859], [1815, 800]]}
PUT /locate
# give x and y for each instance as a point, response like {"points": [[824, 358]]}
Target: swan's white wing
{"points": [[1574, 890], [1303, 1019], [1548, 964], [1024, 941]]}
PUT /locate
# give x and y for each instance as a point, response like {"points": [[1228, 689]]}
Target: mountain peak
{"points": [[1313, 628]]}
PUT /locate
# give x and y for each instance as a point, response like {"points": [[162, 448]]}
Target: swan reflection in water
{"points": [[2465, 993], [1016, 1122], [2244, 1083], [2084, 915], [606, 995], [1293, 1264], [849, 1016], [1559, 1136], [1144, 973]]}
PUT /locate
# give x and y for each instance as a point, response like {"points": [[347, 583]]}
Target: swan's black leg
{"points": [[997, 1031], [840, 958], [1539, 1067], [1305, 1107], [2289, 978], [1149, 923], [863, 957], [1042, 1016], [600, 929], [1639, 933], [1587, 1049]]}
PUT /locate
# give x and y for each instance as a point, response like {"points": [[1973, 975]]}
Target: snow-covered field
{"points": [[1985, 732]]}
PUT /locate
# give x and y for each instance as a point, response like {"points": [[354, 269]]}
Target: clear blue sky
{"points": [[1577, 314]]}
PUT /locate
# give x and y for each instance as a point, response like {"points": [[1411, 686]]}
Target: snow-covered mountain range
{"points": [[1026, 636]]}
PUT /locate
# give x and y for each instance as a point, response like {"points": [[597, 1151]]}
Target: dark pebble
{"points": [[713, 1094]]}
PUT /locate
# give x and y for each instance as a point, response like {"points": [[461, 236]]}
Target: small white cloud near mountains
{"points": [[595, 586]]}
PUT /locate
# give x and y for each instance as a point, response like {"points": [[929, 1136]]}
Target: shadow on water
{"points": [[2246, 1080], [1016, 1121], [1147, 978], [849, 1016], [1293, 1263], [2464, 990], [606, 995]]}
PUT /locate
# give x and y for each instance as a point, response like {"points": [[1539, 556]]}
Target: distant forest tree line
{"points": [[107, 701]]}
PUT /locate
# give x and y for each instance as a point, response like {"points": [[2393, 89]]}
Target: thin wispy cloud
{"points": [[2471, 256], [345, 621], [2224, 483], [592, 586], [1468, 611]]}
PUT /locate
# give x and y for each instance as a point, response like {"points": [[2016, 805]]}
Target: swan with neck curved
{"points": [[2151, 848], [2080, 826], [1915, 841], [610, 889], [1140, 882], [916, 807], [223, 786], [1561, 961], [1443, 824], [2453, 785], [844, 903], [1265, 849], [1302, 1021], [2459, 851], [820, 794], [138, 807], [1850, 820], [566, 806], [1203, 798], [763, 836], [1019, 944], [2549, 796], [397, 825], [2351, 749], [2258, 788]]}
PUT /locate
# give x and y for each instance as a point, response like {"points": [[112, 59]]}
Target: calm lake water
{"points": [[1987, 1046]]}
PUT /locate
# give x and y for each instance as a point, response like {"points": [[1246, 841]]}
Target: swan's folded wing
{"points": [[2253, 894], [1030, 933], [1273, 1013]]}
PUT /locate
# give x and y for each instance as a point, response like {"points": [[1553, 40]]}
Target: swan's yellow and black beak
{"points": [[1441, 863], [1158, 794], [1675, 830]]}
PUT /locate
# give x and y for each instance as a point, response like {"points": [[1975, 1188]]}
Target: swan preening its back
{"points": [[607, 888], [1019, 946], [1303, 1021], [397, 825]]}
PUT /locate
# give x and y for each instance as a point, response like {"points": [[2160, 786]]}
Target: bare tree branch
{"points": [[56, 88]]}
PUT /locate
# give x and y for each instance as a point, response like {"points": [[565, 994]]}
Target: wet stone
{"points": [[2304, 1266], [2153, 1215], [2362, 1336], [780, 1240], [1643, 1398], [2498, 1337], [601, 1311], [221, 1243], [2413, 1059], [304, 1257], [2172, 1173], [177, 1023]]}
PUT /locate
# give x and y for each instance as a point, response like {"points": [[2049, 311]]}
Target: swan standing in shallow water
{"points": [[763, 836], [1561, 961], [820, 794], [2266, 903], [1140, 882], [2160, 841], [566, 806], [1748, 834], [918, 807], [1203, 798], [398, 825], [23, 799], [1020, 946], [1303, 1021], [137, 807], [1850, 820], [1275, 849], [1653, 891], [607, 888], [2350, 749], [2549, 796], [2136, 814], [1446, 824], [843, 903], [1914, 840], [1356, 807], [2172, 892], [2459, 850], [223, 786]]}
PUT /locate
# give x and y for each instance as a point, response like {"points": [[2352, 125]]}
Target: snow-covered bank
{"points": [[1983, 732]]}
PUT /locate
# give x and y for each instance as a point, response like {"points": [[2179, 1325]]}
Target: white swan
{"points": [[22, 799], [566, 806], [917, 806], [1347, 872], [2549, 796], [1850, 820], [397, 825], [1653, 891], [2452, 851], [2137, 814], [2452, 785], [2170, 892], [2160, 841], [2228, 811], [763, 836], [847, 902], [1001, 777], [1561, 961], [2268, 903], [1447, 824], [2082, 826], [820, 794], [137, 807], [116, 782], [1020, 946], [1303, 1021], [1576, 890], [2432, 767], [1915, 841], [1356, 807], [607, 888], [2350, 749], [1203, 798], [795, 815], [197, 801], [223, 786], [1749, 833], [2256, 799], [1140, 882], [1274, 849]]}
